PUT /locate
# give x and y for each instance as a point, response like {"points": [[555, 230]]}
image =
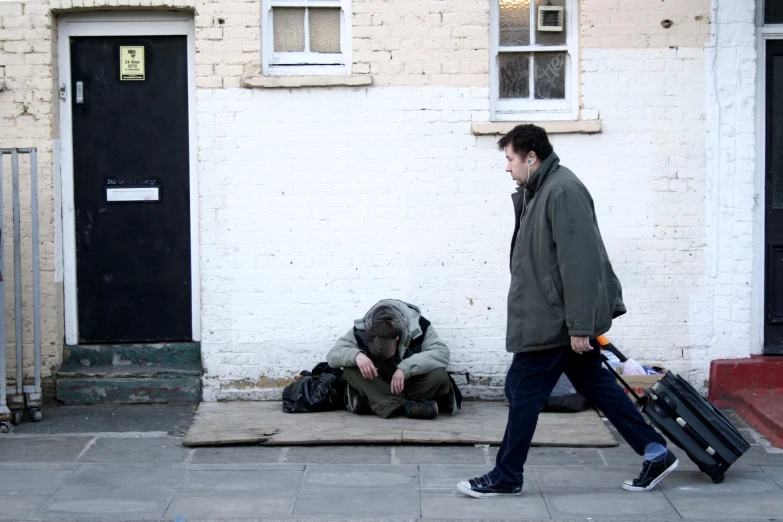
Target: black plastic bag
{"points": [[564, 398], [323, 389]]}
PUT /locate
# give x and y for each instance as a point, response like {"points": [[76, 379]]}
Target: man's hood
{"points": [[405, 315]]}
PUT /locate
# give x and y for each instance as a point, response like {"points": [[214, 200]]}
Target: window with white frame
{"points": [[534, 59], [306, 36]]}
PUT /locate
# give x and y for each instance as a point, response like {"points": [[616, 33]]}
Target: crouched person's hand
{"points": [[365, 365]]}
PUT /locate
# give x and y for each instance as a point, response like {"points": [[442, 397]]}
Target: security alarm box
{"points": [[550, 18]]}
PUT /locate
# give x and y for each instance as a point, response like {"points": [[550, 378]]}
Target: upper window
{"points": [[534, 59], [773, 11], [306, 36]]}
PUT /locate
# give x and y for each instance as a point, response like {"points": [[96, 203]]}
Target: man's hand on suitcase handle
{"points": [[580, 344]]}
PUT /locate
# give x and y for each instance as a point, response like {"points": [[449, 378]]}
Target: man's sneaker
{"points": [[355, 402], [652, 473], [427, 410], [482, 487]]}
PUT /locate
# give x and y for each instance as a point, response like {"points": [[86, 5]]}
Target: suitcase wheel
{"points": [[719, 479]]}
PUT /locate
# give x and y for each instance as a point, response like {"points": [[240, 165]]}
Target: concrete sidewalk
{"points": [[128, 463]]}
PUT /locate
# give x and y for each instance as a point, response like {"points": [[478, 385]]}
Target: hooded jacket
{"points": [[419, 351]]}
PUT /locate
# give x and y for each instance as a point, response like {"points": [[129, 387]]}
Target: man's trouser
{"points": [[434, 385], [530, 380]]}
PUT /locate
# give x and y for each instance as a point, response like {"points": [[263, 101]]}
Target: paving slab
{"points": [[215, 483], [735, 419], [247, 467], [597, 492], [621, 456], [338, 455], [330, 491], [236, 494], [452, 455], [38, 465], [21, 505], [41, 449], [743, 495], [108, 503], [561, 456], [440, 498], [229, 506], [33, 482], [97, 418], [757, 455], [775, 474], [564, 457], [238, 455], [167, 450], [128, 476]]}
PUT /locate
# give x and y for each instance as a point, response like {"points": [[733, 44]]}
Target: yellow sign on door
{"points": [[131, 63]]}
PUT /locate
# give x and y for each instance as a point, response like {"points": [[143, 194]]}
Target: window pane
{"points": [[514, 22], [773, 11], [325, 30], [514, 75], [288, 25], [551, 37], [550, 75]]}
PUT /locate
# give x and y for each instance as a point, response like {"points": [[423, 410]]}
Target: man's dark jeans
{"points": [[530, 380]]}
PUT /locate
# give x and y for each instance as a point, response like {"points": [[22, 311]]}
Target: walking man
{"points": [[563, 295]]}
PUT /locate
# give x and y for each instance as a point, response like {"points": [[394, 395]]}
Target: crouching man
{"points": [[395, 364]]}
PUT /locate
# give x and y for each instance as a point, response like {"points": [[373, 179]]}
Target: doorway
{"points": [[128, 176]]}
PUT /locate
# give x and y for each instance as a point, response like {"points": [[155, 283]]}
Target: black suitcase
{"points": [[692, 423]]}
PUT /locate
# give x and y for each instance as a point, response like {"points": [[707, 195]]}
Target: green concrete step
{"points": [[127, 372], [131, 390], [130, 373], [163, 354]]}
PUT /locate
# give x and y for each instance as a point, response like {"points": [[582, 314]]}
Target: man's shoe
{"points": [[482, 487], [355, 402], [652, 473], [427, 410]]}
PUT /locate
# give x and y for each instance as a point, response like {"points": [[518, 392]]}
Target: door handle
{"points": [[79, 92]]}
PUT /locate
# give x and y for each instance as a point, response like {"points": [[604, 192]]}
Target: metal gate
{"points": [[20, 397]]}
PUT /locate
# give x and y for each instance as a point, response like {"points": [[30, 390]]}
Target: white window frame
{"points": [[536, 110], [305, 63]]}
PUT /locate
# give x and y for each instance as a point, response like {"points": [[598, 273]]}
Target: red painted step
{"points": [[728, 376], [764, 411], [754, 388]]}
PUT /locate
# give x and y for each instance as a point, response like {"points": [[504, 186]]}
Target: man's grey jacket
{"points": [[562, 283]]}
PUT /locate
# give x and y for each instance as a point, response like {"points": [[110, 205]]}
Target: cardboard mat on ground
{"points": [[222, 423]]}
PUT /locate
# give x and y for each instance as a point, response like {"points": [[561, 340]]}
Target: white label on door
{"points": [[133, 194]]}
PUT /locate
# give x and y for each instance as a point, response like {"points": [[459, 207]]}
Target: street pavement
{"points": [[127, 463]]}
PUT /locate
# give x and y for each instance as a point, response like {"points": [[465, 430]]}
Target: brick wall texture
{"points": [[314, 203]]}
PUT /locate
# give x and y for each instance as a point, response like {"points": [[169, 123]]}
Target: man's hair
{"points": [[382, 339], [526, 138]]}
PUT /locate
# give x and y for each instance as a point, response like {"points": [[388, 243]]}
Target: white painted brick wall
{"points": [[316, 203], [730, 304], [296, 184]]}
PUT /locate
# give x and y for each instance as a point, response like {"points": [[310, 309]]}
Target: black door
{"points": [[773, 327], [131, 188]]}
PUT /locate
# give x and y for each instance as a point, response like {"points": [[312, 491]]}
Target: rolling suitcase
{"points": [[692, 423]]}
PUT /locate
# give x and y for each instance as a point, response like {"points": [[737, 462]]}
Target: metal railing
{"points": [[13, 404]]}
